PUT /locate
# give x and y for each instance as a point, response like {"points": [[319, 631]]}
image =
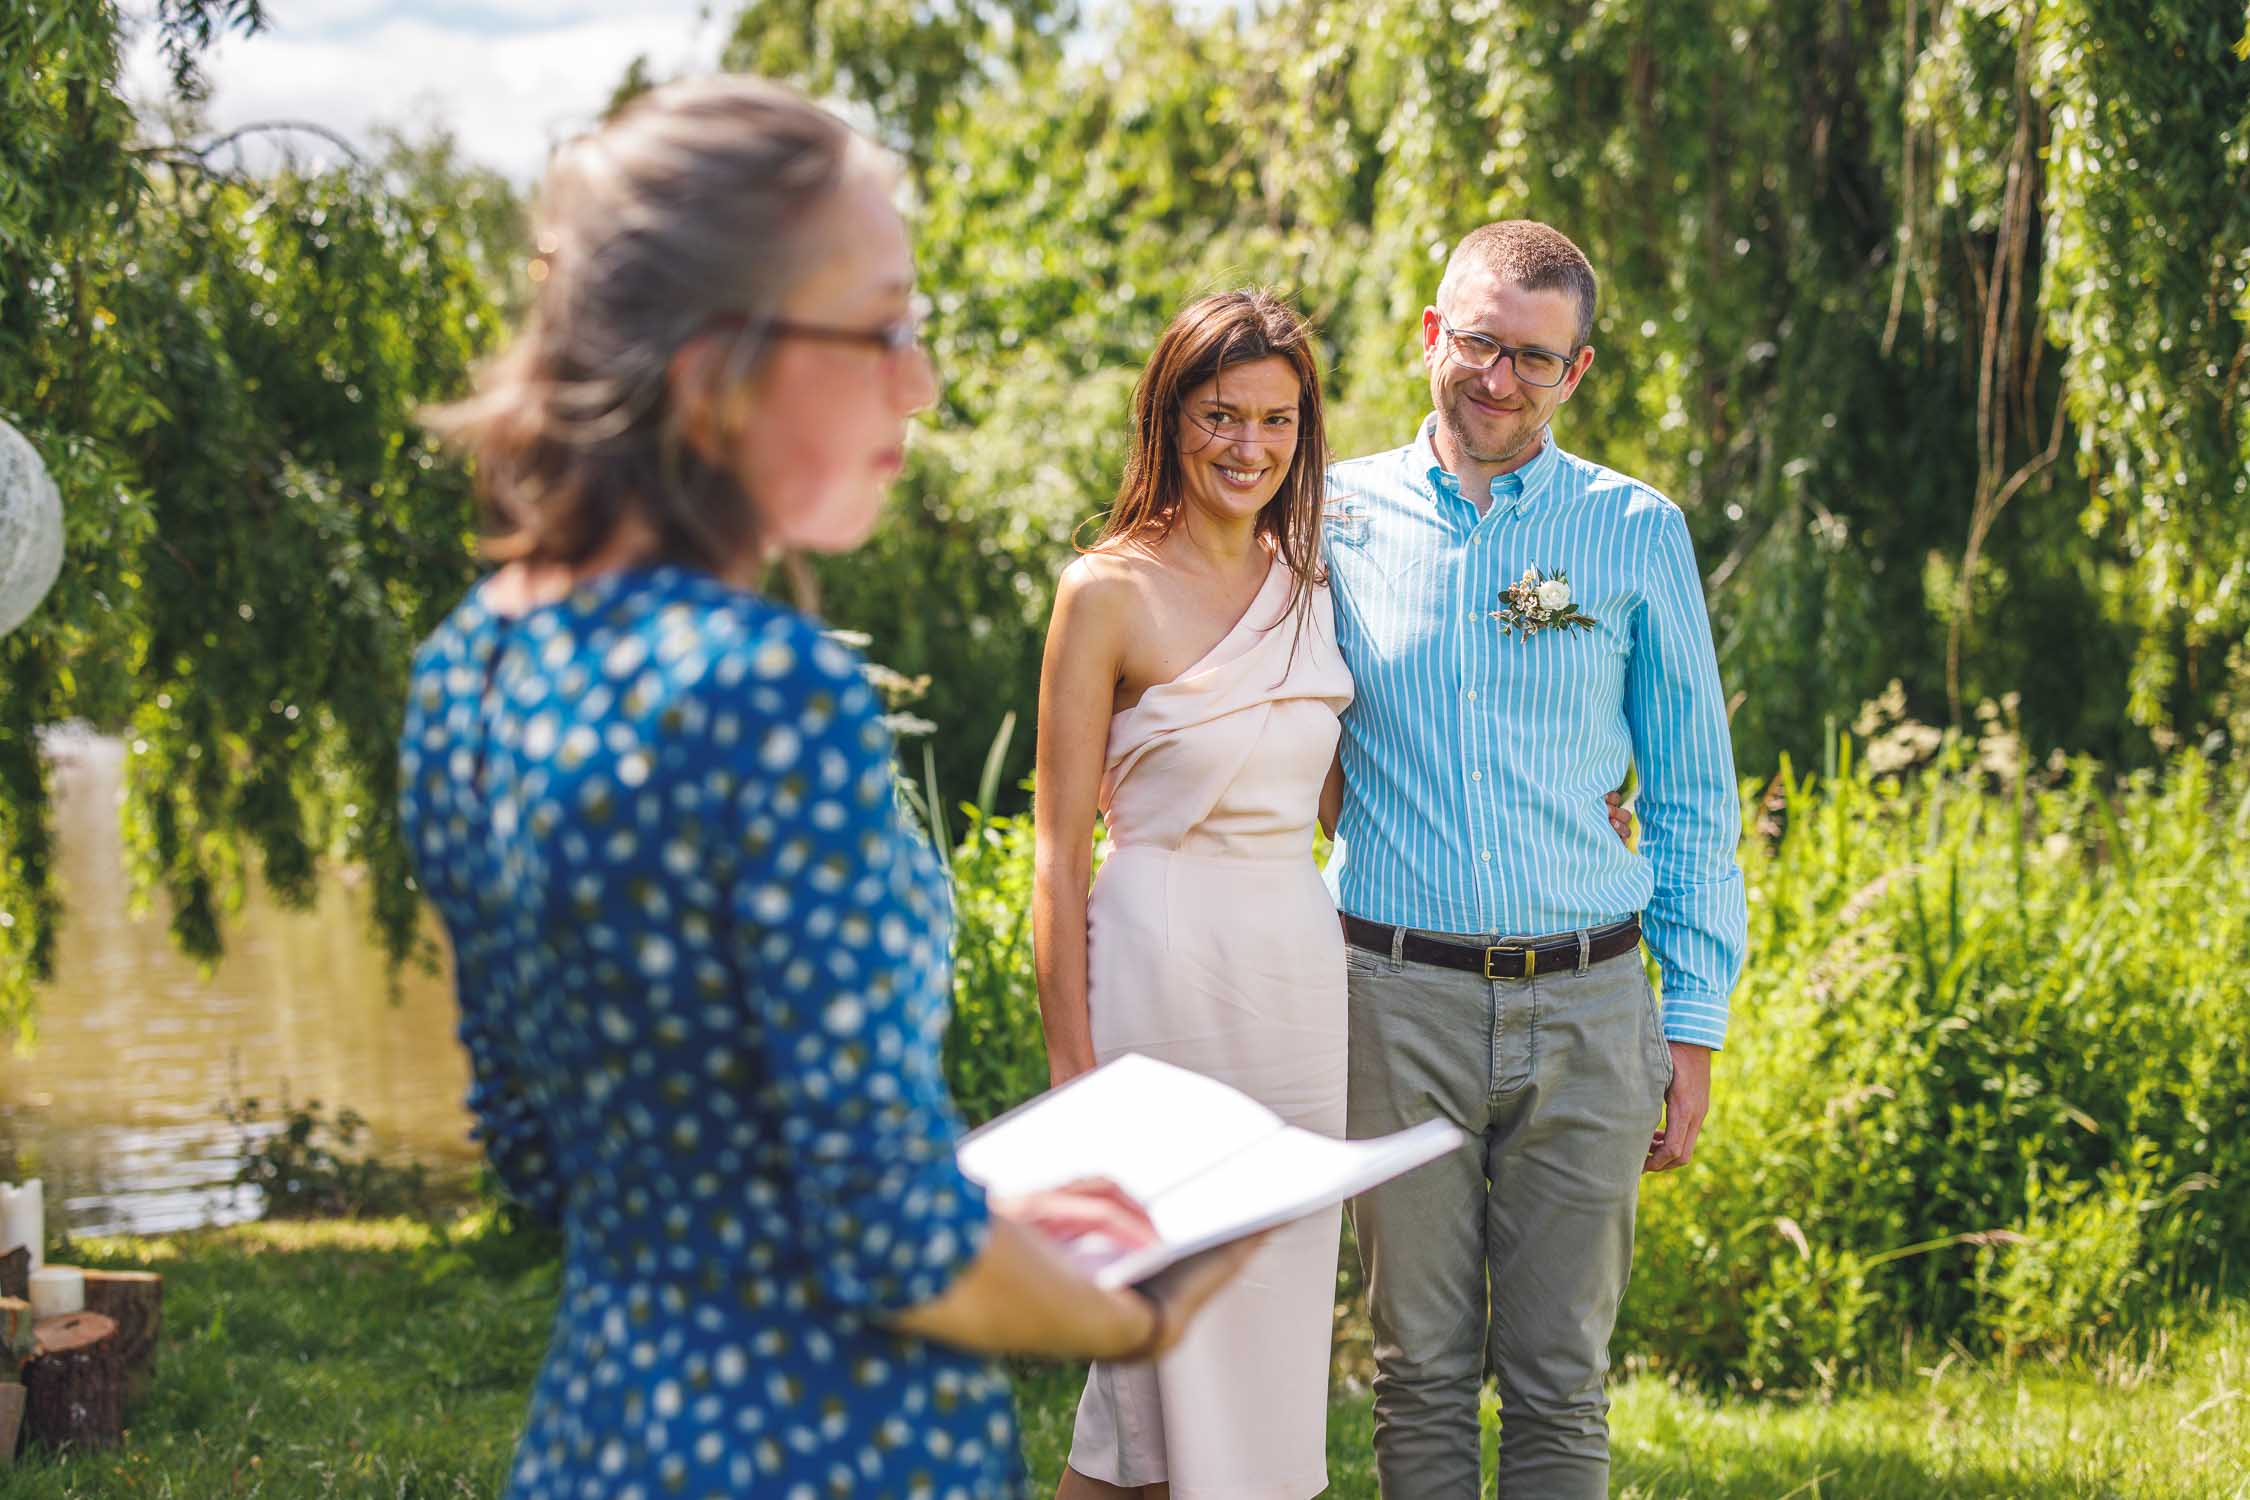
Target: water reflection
{"points": [[118, 1102]]}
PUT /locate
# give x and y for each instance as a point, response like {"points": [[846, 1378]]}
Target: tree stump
{"points": [[15, 1320], [74, 1387], [11, 1421], [15, 1272], [134, 1301]]}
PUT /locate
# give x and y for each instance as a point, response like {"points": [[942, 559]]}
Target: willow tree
{"points": [[221, 370], [1930, 314]]}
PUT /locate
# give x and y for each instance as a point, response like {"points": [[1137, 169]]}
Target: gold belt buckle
{"points": [[1530, 959]]}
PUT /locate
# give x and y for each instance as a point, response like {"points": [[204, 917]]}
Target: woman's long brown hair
{"points": [[1207, 336]]}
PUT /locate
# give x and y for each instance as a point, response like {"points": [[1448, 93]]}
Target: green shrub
{"points": [[307, 1164], [1985, 1079], [995, 1054], [2091, 1254]]}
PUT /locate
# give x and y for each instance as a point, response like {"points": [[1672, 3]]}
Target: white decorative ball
{"points": [[31, 529]]}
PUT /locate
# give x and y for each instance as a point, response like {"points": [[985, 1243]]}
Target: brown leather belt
{"points": [[1517, 958]]}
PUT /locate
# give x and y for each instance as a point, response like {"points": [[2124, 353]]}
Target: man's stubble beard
{"points": [[1456, 428]]}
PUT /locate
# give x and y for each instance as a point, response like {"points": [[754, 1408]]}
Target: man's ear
{"points": [[1432, 328], [1578, 369]]}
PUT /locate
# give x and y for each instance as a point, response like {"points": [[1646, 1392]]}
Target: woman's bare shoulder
{"points": [[1107, 579]]}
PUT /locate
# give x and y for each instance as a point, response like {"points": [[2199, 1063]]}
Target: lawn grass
{"points": [[389, 1359]]}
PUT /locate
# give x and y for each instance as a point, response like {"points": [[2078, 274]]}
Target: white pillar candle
{"points": [[56, 1291], [23, 1219]]}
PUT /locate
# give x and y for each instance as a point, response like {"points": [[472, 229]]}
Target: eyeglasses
{"points": [[1277, 430], [896, 337], [1532, 364]]}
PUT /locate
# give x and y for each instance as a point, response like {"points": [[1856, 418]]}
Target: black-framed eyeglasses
{"points": [[1532, 364]]}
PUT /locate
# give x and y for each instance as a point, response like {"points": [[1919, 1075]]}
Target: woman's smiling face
{"points": [[1238, 436]]}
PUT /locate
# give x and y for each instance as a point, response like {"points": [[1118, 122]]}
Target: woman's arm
{"points": [[508, 1123], [1077, 686], [1332, 794]]}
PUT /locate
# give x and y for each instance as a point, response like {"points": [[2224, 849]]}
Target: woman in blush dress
{"points": [[702, 959], [1190, 696]]}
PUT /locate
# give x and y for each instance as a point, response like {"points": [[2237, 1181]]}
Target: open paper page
{"points": [[1208, 1163], [1283, 1177], [1145, 1125]]}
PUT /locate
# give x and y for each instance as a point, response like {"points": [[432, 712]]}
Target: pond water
{"points": [[118, 1101]]}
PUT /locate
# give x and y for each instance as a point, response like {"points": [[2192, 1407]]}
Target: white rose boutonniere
{"points": [[1540, 601]]}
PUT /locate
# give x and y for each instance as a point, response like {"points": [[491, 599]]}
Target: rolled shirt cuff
{"points": [[1700, 1020]]}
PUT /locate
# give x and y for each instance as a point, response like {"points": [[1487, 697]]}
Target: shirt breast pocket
{"points": [[1590, 659]]}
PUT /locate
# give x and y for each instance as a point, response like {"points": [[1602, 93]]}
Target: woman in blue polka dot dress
{"points": [[702, 961]]}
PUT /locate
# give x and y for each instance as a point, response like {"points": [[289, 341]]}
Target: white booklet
{"points": [[1209, 1164]]}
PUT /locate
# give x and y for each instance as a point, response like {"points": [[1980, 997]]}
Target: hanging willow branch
{"points": [[1910, 138], [2007, 364]]}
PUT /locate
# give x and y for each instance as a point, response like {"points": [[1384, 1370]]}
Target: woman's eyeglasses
{"points": [[898, 336]]}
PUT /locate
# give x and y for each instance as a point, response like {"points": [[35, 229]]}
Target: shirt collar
{"points": [[1513, 493]]}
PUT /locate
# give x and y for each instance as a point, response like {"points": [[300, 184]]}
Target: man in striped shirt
{"points": [[1522, 626]]}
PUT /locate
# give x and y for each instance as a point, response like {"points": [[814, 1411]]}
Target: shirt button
{"points": [[1476, 775], [1472, 695], [1485, 855]]}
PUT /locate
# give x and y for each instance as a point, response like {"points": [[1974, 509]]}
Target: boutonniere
{"points": [[1540, 601]]}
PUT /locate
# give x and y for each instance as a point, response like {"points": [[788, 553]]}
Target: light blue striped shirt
{"points": [[1475, 763]]}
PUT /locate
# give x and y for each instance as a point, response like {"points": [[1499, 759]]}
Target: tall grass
{"points": [[1987, 1080]]}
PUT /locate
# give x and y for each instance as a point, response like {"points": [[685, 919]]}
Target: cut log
{"points": [[15, 1272], [15, 1322], [11, 1420], [134, 1301], [74, 1387]]}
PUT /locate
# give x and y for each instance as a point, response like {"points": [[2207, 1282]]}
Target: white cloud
{"points": [[510, 78]]}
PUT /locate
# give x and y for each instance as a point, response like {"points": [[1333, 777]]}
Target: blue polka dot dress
{"points": [[703, 970]]}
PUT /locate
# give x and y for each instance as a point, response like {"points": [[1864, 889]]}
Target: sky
{"points": [[509, 78]]}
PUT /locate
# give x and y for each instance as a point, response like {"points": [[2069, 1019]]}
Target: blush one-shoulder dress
{"points": [[1213, 944]]}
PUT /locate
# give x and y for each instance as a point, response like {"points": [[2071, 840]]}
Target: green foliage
{"points": [[961, 576], [187, 28], [1985, 1079], [995, 1052], [306, 1164], [1870, 274], [2089, 1255], [2148, 204], [222, 372], [906, 60]]}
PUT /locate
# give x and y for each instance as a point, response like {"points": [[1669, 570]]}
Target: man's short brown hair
{"points": [[1531, 255]]}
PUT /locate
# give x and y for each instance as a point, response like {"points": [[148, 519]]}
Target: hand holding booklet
{"points": [[1208, 1164]]}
